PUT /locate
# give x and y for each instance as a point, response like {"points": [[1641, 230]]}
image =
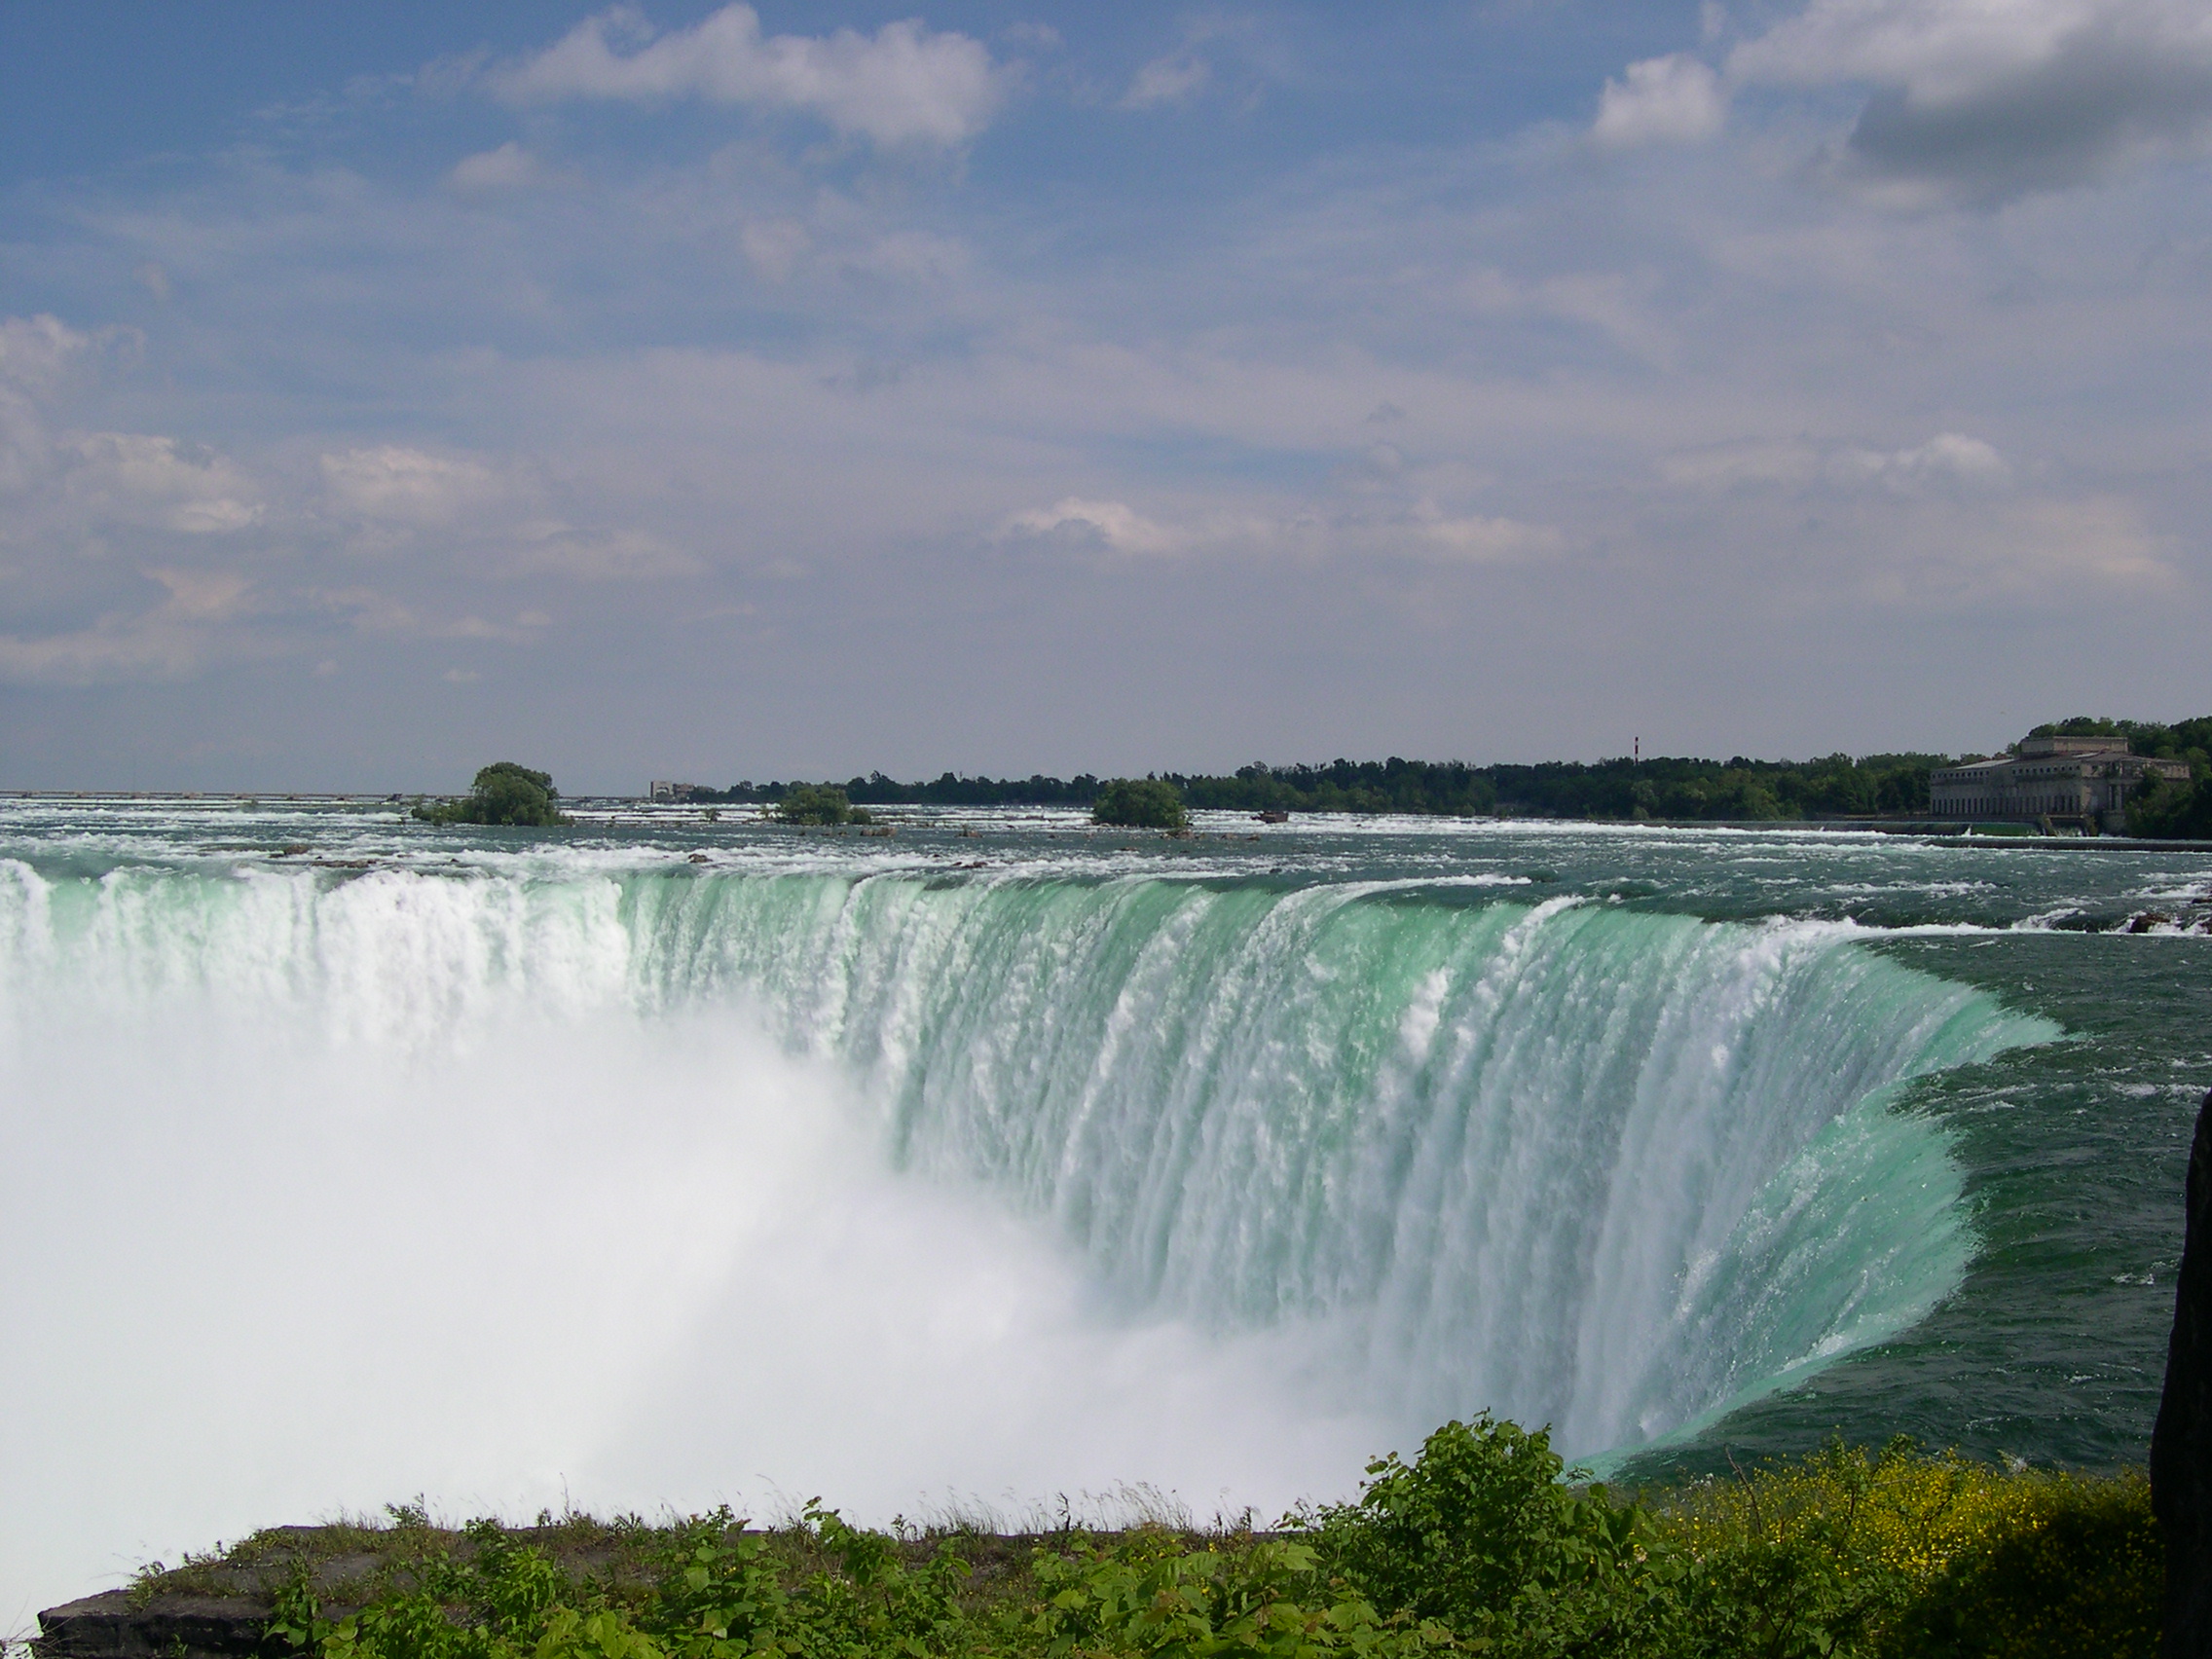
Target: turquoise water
{"points": [[1679, 1141]]}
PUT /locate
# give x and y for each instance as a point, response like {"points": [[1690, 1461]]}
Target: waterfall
{"points": [[1586, 1165], [1575, 1162]]}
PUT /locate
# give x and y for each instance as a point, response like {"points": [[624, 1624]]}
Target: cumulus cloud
{"points": [[409, 486], [141, 479], [625, 555], [1609, 303], [60, 480], [169, 641], [2040, 550], [1676, 100], [1169, 79], [902, 84], [773, 248], [35, 349], [507, 168], [1949, 458], [1483, 540], [1109, 523], [1984, 101]]}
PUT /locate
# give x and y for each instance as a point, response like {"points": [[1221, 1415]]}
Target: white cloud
{"points": [[1168, 79], [1947, 460], [625, 555], [2042, 551], [1942, 50], [408, 486], [202, 596], [102, 478], [902, 84], [1676, 100], [171, 642], [507, 168], [2102, 537], [138, 478], [369, 612], [1732, 466], [34, 350], [1987, 98], [773, 248], [1483, 540], [1117, 525], [1614, 304]]}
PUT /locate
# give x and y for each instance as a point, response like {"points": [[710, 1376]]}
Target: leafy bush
{"points": [[1140, 803], [1152, 1593], [502, 792], [1901, 1553], [2076, 1569], [1479, 1534], [810, 804]]}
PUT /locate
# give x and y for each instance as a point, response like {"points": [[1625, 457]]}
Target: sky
{"points": [[719, 392]]}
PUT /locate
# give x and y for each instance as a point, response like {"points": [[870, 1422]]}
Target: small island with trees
{"points": [[502, 794]]}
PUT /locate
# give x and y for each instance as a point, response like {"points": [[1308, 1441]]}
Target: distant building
{"points": [[2082, 781], [659, 790]]}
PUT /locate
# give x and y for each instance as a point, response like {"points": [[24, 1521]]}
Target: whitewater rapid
{"points": [[510, 1184]]}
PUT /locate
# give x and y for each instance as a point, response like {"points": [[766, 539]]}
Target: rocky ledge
{"points": [[120, 1625]]}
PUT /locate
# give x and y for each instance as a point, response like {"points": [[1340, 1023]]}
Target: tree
{"points": [[1140, 803], [502, 792], [2172, 809], [811, 803]]}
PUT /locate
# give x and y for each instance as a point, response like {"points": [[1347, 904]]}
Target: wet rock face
{"points": [[2181, 1446]]}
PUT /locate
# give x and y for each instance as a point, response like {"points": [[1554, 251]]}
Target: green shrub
{"points": [[1140, 803], [1902, 1554], [2078, 1571], [1479, 1535], [502, 792], [1152, 1592], [810, 804]]}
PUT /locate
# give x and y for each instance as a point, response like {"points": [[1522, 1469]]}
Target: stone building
{"points": [[2077, 780]]}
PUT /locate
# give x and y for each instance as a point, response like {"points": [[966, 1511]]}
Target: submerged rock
{"points": [[2181, 1445]]}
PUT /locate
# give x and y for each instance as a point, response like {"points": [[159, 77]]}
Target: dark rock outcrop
{"points": [[2181, 1445], [115, 1625]]}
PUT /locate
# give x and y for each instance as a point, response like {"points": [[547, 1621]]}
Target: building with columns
{"points": [[2082, 781]]}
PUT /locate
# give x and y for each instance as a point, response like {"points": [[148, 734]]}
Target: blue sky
{"points": [[718, 392]]}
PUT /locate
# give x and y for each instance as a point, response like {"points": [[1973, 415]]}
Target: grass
{"points": [[1478, 1545]]}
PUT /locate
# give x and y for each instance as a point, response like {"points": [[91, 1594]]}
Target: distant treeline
{"points": [[2184, 740], [1838, 785], [1834, 786]]}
